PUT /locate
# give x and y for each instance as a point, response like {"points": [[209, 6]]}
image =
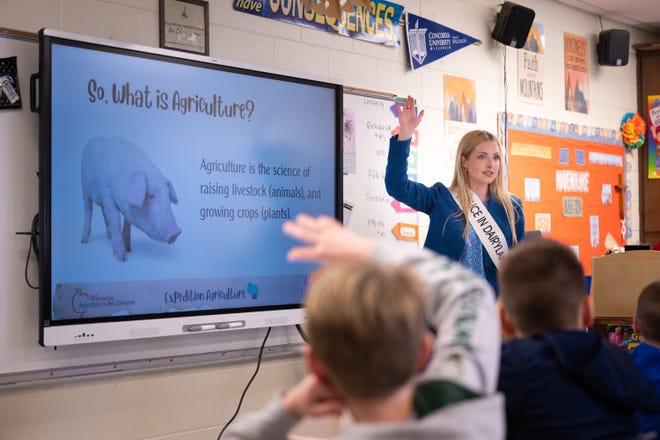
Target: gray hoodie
{"points": [[455, 396]]}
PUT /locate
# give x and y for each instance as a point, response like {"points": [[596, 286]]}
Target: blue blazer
{"points": [[447, 224]]}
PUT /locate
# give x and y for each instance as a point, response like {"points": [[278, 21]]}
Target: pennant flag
{"points": [[429, 41]]}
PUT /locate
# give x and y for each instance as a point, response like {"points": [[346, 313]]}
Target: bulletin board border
{"points": [[554, 127]]}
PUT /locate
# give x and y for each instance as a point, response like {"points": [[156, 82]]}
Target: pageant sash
{"points": [[488, 231]]}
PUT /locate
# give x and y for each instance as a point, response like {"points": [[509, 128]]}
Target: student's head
{"points": [[365, 323], [542, 288], [647, 317]]}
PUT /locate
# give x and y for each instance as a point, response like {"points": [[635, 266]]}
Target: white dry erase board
{"points": [[369, 121]]}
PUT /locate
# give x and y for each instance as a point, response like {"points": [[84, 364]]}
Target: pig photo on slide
{"points": [[118, 177]]}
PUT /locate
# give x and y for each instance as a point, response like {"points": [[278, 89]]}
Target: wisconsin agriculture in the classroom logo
{"points": [[82, 301]]}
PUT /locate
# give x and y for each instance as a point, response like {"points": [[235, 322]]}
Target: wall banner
{"points": [[378, 24], [429, 41]]}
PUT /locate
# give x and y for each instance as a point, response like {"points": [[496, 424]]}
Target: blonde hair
{"points": [[461, 184], [365, 323]]}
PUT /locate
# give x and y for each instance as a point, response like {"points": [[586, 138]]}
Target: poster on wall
{"points": [[654, 136], [460, 100], [567, 176], [576, 73], [531, 67]]}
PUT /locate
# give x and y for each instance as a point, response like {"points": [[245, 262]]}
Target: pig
{"points": [[118, 177]]}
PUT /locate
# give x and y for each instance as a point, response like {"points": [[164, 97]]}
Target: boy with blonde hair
{"points": [[366, 320]]}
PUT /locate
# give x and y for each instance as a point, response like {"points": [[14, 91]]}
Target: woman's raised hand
{"points": [[408, 118]]}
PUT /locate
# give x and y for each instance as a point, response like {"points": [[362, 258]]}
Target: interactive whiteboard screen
{"points": [[164, 183]]}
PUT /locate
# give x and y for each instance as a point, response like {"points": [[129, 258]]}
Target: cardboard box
{"points": [[617, 280]]}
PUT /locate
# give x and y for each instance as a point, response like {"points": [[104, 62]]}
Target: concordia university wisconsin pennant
{"points": [[429, 41]]}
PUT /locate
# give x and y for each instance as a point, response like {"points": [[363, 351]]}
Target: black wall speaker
{"points": [[513, 24], [613, 46]]}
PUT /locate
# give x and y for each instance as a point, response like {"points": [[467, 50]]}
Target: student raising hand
{"points": [[325, 240]]}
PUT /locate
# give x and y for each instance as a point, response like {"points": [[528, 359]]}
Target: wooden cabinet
{"points": [[617, 280], [648, 83]]}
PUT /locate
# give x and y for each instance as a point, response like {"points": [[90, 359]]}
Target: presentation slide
{"points": [[170, 184]]}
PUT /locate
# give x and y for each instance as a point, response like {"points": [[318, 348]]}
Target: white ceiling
{"points": [[640, 14]]}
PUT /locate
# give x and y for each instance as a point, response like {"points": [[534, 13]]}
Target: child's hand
{"points": [[326, 240], [311, 397]]}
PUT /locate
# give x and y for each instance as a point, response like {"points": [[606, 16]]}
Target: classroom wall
{"points": [[194, 403]]}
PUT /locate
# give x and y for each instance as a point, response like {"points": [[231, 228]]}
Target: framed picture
{"points": [[184, 25]]}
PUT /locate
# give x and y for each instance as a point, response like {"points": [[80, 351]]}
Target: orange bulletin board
{"points": [[570, 187]]}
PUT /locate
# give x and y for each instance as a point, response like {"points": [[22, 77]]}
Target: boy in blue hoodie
{"points": [[646, 324], [560, 381]]}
